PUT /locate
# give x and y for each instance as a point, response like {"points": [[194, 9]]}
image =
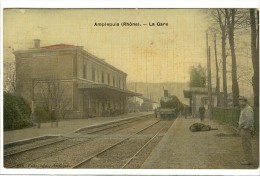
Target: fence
{"points": [[231, 116]]}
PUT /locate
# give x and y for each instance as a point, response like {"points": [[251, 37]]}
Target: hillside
{"points": [[155, 90]]}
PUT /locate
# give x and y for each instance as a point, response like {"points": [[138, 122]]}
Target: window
{"points": [[93, 74], [103, 77], [108, 79], [84, 71], [97, 75], [119, 82], [114, 81]]}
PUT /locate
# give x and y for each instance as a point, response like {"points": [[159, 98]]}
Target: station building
{"points": [[199, 96], [69, 79]]}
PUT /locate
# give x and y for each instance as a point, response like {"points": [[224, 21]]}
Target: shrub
{"points": [[41, 114], [16, 112]]}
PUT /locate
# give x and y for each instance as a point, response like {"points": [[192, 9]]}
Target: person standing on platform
{"points": [[202, 112], [246, 127]]}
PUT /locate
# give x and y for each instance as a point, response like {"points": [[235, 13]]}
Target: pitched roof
{"points": [[58, 46]]}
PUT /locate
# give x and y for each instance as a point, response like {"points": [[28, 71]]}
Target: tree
{"points": [[54, 98], [230, 15], [9, 76], [254, 23], [16, 112], [218, 16], [198, 76]]}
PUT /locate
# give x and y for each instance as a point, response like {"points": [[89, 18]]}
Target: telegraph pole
{"points": [[217, 69], [32, 113], [33, 96], [209, 78]]}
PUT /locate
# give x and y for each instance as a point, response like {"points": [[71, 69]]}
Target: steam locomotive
{"points": [[170, 106]]}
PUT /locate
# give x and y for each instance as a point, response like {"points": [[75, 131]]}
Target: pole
{"points": [[209, 77], [217, 69], [135, 92], [147, 91], [32, 113], [209, 85]]}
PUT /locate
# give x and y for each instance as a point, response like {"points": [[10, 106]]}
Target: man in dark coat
{"points": [[202, 112]]}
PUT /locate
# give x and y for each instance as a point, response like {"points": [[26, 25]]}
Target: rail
{"points": [[111, 146], [130, 159], [105, 127]]}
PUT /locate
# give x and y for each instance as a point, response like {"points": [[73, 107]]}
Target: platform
{"points": [[64, 127], [217, 149]]}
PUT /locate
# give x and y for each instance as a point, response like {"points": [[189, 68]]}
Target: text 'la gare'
{"points": [[158, 24]]}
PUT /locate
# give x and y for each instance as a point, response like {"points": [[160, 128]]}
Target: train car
{"points": [[170, 106]]}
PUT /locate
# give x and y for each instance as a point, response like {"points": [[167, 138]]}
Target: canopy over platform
{"points": [[196, 90], [104, 87], [187, 93]]}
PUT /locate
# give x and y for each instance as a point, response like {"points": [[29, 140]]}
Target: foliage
{"points": [[198, 76], [16, 112], [41, 114], [9, 76]]}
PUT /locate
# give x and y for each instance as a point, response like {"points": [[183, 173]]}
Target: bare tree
{"points": [[229, 22], [254, 23], [54, 98], [220, 26], [231, 17]]}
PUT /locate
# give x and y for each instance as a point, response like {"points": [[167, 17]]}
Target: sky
{"points": [[152, 54], [146, 53]]}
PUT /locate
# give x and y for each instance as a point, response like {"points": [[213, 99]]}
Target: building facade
{"points": [[67, 78]]}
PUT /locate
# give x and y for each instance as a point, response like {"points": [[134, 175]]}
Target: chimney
{"points": [[37, 43]]}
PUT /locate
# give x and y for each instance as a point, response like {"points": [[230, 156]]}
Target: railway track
{"points": [[109, 147], [141, 149], [87, 145], [59, 144], [26, 149], [74, 155], [108, 160], [110, 125]]}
